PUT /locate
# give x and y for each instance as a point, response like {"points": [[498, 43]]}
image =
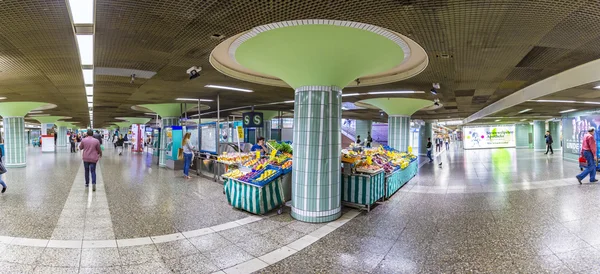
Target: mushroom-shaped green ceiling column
{"points": [[318, 58], [61, 140], [46, 120], [169, 114], [136, 120], [123, 126], [399, 111], [15, 140]]}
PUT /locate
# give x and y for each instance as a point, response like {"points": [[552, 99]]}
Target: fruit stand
{"points": [[259, 185], [369, 175]]}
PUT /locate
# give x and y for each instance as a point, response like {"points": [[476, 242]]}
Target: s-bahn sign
{"points": [[252, 119]]}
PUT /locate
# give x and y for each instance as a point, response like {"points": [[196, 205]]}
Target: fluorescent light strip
{"points": [[90, 105], [90, 99], [192, 99], [597, 87], [523, 120], [82, 11], [89, 91], [566, 102], [229, 88], [350, 94], [525, 110], [568, 110], [88, 76], [395, 92], [85, 43], [2, 98]]}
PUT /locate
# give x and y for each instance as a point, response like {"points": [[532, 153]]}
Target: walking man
{"points": [[429, 148], [91, 154], [588, 150], [369, 139], [549, 143]]}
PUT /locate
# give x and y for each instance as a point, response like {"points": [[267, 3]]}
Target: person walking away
{"points": [[429, 148], [358, 139], [91, 154], [447, 143], [119, 145], [549, 142], [125, 141], [369, 139], [55, 138], [78, 140], [588, 150], [2, 183], [73, 140], [188, 153]]}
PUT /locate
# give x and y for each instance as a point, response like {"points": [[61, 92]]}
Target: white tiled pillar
{"points": [[62, 136], [15, 142]]}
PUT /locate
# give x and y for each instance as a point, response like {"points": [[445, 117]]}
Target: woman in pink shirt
{"points": [[588, 150], [91, 154]]}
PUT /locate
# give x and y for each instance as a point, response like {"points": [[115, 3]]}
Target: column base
{"points": [[16, 165], [316, 217], [162, 165]]}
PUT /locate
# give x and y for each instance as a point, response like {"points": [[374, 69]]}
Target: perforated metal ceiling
{"points": [[480, 51]]}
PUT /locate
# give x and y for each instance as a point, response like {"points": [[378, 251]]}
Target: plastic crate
{"points": [[278, 172]]}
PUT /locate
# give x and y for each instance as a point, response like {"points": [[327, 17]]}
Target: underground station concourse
{"points": [[299, 136]]}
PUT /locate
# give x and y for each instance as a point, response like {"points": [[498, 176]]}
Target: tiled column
{"points": [[166, 122], [62, 136], [426, 131], [522, 135], [554, 127], [363, 127], [539, 130], [15, 142], [398, 132], [317, 147]]}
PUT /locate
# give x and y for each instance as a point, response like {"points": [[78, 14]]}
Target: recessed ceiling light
{"points": [[228, 88], [192, 99], [88, 76], [395, 92], [498, 120], [597, 87], [82, 11], [85, 44], [568, 110], [525, 110]]}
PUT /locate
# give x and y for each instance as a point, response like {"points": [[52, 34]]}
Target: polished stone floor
{"points": [[483, 211]]}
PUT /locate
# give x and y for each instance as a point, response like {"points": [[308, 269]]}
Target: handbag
{"points": [[2, 168], [582, 161]]}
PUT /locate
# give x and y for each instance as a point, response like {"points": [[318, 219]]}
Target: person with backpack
{"points": [[2, 170], [549, 142]]}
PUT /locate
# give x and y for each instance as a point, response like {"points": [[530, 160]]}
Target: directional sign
{"points": [[252, 119]]}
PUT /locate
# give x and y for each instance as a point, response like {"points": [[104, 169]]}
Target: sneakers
{"points": [[93, 187], [593, 181], [86, 185], [578, 179], [3, 189]]}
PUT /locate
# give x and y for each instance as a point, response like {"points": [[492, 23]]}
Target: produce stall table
{"points": [[399, 178], [258, 199], [363, 190]]}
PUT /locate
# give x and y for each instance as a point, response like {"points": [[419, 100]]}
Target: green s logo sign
{"points": [[246, 119], [257, 119]]}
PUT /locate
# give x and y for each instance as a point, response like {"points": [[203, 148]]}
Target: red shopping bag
{"points": [[582, 161]]}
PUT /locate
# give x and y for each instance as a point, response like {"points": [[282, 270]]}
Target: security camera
{"points": [[433, 91], [194, 72], [436, 85]]}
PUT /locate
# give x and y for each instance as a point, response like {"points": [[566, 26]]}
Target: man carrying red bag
{"points": [[588, 151]]}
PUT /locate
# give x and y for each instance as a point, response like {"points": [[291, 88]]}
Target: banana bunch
{"points": [[234, 174], [266, 175]]}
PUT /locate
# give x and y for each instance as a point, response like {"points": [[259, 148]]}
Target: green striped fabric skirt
{"points": [[255, 199], [363, 189]]}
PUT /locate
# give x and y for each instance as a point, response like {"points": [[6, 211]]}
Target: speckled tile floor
{"points": [[486, 211]]}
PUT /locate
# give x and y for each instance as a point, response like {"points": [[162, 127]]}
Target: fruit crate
{"points": [[277, 173]]}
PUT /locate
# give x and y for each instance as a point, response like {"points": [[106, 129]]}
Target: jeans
{"points": [[429, 155], [591, 167], [2, 183], [90, 167], [447, 146], [187, 161], [73, 147], [549, 148]]}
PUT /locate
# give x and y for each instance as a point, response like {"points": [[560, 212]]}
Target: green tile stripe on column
{"points": [[316, 187], [166, 122], [15, 143], [398, 132], [62, 136]]}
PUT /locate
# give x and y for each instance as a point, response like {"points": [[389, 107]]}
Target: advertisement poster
{"points": [[574, 128], [489, 136], [134, 137]]}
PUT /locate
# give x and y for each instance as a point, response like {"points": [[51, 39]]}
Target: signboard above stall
{"points": [[252, 119]]}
